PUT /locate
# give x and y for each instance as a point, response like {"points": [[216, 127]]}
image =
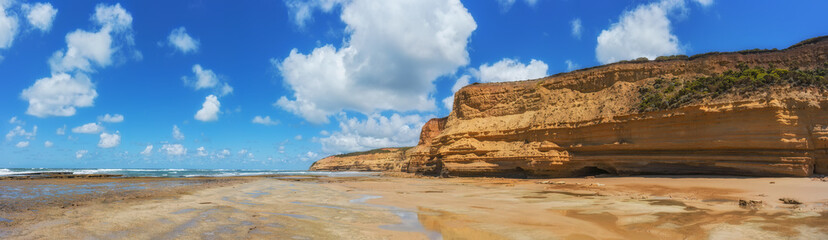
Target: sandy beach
{"points": [[405, 207]]}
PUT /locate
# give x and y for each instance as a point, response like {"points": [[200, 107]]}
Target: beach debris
{"points": [[551, 182], [205, 203], [772, 182], [750, 203], [789, 201], [596, 184]]}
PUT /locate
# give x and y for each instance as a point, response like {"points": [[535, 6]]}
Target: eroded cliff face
{"points": [[384, 159], [589, 122]]}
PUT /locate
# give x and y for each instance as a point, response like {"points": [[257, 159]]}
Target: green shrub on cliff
{"points": [[662, 93]]}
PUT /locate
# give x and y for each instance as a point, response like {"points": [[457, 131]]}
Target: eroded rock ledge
{"points": [[589, 122]]}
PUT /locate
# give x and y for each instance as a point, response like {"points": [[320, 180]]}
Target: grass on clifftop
{"points": [[670, 94], [378, 150]]}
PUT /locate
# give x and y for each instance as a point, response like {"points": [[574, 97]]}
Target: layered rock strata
{"points": [[588, 122], [383, 159]]}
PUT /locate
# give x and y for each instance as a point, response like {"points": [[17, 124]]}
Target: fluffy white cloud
{"points": [[87, 48], [61, 131], [8, 25], [576, 28], [14, 120], [394, 52], [374, 132], [310, 156], [641, 32], [22, 144], [202, 152], [448, 102], [174, 149], [176, 133], [182, 41], [48, 144], [209, 109], [223, 154], [704, 3], [207, 79], [302, 10], [59, 95], [114, 118], [265, 121], [109, 140], [571, 65], [147, 151], [89, 128], [79, 154], [19, 131], [40, 15], [505, 5], [113, 16], [509, 69]]}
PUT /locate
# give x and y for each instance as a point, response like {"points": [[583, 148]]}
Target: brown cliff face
{"points": [[591, 121], [421, 158], [588, 122], [383, 159]]}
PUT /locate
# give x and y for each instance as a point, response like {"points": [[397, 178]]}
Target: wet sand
{"points": [[457, 208]]}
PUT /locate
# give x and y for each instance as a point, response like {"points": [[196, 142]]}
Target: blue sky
{"points": [[279, 84]]}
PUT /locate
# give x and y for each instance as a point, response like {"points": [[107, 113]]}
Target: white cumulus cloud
{"points": [[69, 87], [174, 149], [147, 151], [15, 120], [176, 133], [264, 121], [89, 128], [301, 11], [641, 32], [505, 5], [223, 154], [9, 26], [48, 144], [207, 79], [79, 154], [19, 131], [209, 109], [393, 53], [570, 65], [59, 95], [22, 144], [202, 152], [114, 118], [109, 140], [61, 131], [576, 28], [40, 15], [704, 3], [376, 131], [509, 69], [182, 41]]}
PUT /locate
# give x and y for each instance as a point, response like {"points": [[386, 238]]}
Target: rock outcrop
{"points": [[383, 159], [597, 120]]}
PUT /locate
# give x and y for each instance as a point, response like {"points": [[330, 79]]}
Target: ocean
{"points": [[178, 173]]}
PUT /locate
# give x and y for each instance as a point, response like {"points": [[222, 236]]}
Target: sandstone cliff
{"points": [[717, 113], [383, 159]]}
